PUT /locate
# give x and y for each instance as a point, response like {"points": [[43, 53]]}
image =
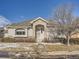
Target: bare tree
{"points": [[39, 49], [64, 17]]}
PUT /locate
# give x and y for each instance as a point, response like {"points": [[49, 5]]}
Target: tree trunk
{"points": [[68, 40]]}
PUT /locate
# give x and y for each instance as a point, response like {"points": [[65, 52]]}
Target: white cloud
{"points": [[4, 21]]}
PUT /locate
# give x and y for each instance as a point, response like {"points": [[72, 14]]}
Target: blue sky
{"points": [[17, 10]]}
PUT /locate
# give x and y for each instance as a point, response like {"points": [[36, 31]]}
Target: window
{"points": [[20, 32]]}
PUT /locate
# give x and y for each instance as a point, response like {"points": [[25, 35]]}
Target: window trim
{"points": [[19, 32]]}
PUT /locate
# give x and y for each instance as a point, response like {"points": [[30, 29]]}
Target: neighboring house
{"points": [[75, 34], [37, 28]]}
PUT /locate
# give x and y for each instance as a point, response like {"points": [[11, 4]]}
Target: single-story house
{"points": [[37, 28]]}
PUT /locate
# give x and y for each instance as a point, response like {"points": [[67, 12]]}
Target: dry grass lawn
{"points": [[51, 48], [48, 48]]}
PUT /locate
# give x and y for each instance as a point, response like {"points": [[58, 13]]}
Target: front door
{"points": [[39, 33]]}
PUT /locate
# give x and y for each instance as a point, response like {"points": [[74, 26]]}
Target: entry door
{"points": [[39, 33]]}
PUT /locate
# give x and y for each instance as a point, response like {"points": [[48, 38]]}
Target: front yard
{"points": [[46, 47], [51, 48]]}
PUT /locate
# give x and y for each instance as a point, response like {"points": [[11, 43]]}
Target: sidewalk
{"points": [[61, 53], [5, 58]]}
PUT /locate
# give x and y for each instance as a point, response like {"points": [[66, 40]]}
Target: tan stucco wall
{"points": [[11, 33], [30, 32], [41, 23]]}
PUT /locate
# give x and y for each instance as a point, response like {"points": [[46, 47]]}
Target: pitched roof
{"points": [[26, 23], [20, 24], [39, 18]]}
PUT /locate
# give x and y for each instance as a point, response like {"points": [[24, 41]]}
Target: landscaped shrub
{"points": [[20, 39], [7, 39], [31, 40], [25, 39], [74, 41], [53, 40], [1, 39], [46, 40], [50, 40]]}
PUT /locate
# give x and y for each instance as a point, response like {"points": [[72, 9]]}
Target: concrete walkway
{"points": [[61, 53], [5, 58]]}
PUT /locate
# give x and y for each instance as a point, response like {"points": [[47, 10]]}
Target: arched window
{"points": [[20, 31]]}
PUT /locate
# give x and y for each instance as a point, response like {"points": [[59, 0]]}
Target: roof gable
{"points": [[39, 18]]}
